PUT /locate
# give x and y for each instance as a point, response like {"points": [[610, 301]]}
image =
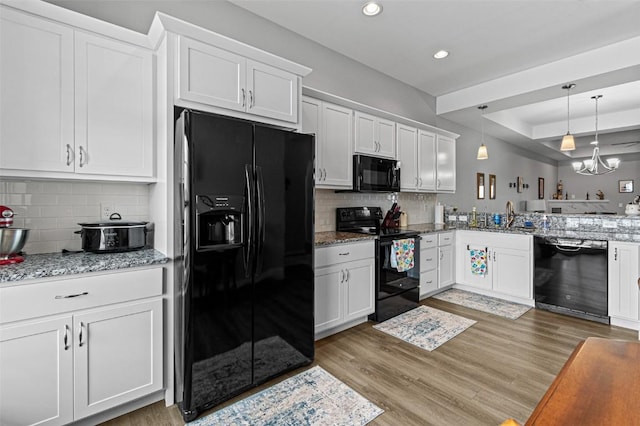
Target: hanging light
{"points": [[592, 166], [482, 150], [568, 144]]}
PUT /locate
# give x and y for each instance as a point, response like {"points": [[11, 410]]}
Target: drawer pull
{"points": [[430, 259], [69, 296], [343, 254], [429, 282]]}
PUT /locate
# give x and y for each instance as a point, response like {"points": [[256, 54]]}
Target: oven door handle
{"points": [[571, 249]]}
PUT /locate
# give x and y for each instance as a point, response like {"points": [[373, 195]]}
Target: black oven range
{"points": [[396, 285]]}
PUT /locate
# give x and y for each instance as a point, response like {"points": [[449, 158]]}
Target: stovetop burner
{"points": [[367, 220]]}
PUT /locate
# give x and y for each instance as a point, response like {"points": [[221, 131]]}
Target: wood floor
{"points": [[497, 369]]}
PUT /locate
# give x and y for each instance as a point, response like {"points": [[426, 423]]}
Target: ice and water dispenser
{"points": [[219, 221]]}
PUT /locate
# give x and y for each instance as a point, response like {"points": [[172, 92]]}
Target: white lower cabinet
{"points": [[507, 261], [624, 283], [78, 362], [436, 262], [344, 285]]}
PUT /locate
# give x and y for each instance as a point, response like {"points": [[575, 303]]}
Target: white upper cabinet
{"points": [[73, 104], [374, 136], [114, 107], [416, 152], [332, 125], [446, 164], [217, 77], [36, 93]]}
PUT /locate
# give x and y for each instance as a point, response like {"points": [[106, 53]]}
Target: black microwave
{"points": [[374, 174]]}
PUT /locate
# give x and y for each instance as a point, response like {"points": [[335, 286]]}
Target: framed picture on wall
{"points": [[492, 187], [625, 185], [540, 188], [520, 184], [480, 185]]}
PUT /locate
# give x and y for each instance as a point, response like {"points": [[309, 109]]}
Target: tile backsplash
{"points": [[51, 210], [420, 208]]}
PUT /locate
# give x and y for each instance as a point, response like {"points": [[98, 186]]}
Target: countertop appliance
{"points": [[374, 174], [570, 277], [244, 279], [395, 291], [11, 239], [113, 236]]}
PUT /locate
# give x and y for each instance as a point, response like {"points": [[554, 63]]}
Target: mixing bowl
{"points": [[11, 241]]}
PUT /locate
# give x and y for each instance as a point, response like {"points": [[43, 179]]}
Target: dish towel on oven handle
{"points": [[402, 254], [478, 261]]}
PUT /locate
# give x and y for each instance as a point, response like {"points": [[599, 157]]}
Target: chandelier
{"points": [[595, 165]]}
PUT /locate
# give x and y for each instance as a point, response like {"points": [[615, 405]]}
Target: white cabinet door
{"points": [[511, 272], [211, 76], [336, 146], [624, 280], [472, 257], [36, 86], [272, 92], [446, 164], [407, 139], [328, 297], [118, 355], [311, 111], [114, 107], [445, 266], [359, 292], [386, 138], [426, 161], [374, 135], [36, 377]]}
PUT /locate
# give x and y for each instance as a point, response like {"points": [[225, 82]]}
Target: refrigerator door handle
{"points": [[260, 207], [248, 259]]}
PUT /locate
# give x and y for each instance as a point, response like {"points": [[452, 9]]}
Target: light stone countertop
{"points": [[65, 264]]}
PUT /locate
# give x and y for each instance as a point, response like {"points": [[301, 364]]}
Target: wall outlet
{"points": [[462, 218], [106, 210]]}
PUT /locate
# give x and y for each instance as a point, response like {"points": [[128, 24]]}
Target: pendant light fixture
{"points": [[595, 165], [568, 144], [482, 150]]}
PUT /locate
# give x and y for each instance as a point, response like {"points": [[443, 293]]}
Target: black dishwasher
{"points": [[570, 277]]}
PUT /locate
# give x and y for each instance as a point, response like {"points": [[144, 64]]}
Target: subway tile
{"points": [[17, 187], [48, 199], [55, 187]]}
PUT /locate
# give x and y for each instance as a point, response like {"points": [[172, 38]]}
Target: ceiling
{"points": [[513, 56]]}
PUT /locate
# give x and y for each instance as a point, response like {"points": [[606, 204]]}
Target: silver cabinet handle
{"points": [[66, 337], [324, 172], [494, 256], [70, 155], [244, 98], [80, 334], [344, 254], [615, 253], [429, 259], [441, 255], [83, 156], [252, 101], [69, 296], [420, 183], [348, 275], [341, 276], [438, 183]]}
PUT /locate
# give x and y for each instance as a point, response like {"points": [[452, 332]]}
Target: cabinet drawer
{"points": [[428, 281], [429, 240], [53, 297], [428, 259], [344, 253], [445, 238]]}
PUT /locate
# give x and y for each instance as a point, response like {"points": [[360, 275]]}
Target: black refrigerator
{"points": [[244, 237]]}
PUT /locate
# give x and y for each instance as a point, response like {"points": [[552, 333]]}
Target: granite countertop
{"points": [[561, 233], [64, 264], [331, 237]]}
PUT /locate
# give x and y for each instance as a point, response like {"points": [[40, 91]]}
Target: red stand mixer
{"points": [[11, 239]]}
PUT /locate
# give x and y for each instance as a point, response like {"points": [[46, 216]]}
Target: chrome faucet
{"points": [[510, 215]]}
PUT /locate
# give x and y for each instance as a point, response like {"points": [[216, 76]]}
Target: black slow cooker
{"points": [[113, 236]]}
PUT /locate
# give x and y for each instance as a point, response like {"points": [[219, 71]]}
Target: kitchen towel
{"points": [[478, 261], [402, 254]]}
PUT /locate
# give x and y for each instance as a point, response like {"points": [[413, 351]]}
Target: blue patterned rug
{"points": [[425, 327], [483, 303], [313, 397]]}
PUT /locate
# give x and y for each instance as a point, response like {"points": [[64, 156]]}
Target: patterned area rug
{"points": [[313, 397], [425, 327], [483, 303]]}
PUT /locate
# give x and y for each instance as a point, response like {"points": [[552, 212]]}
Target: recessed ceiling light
{"points": [[441, 54], [371, 8]]}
